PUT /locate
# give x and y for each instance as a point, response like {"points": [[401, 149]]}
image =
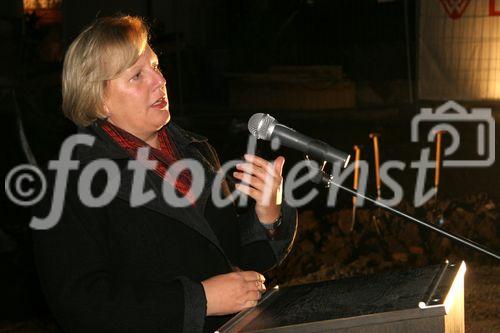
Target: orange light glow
{"points": [[32, 5]]}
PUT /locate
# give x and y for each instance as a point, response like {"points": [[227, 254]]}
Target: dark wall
{"points": [[78, 14], [11, 9]]}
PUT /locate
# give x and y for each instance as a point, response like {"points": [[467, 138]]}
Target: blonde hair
{"points": [[100, 53]]}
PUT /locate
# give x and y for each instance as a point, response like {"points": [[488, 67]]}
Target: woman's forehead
{"points": [[146, 57], [149, 53]]}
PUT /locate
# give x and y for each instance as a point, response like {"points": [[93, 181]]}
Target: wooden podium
{"points": [[429, 299]]}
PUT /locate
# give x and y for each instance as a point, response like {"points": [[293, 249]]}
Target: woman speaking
{"points": [[153, 267]]}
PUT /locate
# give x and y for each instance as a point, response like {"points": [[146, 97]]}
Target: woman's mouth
{"points": [[160, 103]]}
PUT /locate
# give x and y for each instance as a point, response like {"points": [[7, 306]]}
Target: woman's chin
{"points": [[163, 114], [164, 120], [167, 118]]}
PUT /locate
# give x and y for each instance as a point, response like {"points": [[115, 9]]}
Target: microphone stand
{"points": [[323, 177]]}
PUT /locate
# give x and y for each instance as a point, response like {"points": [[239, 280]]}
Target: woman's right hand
{"points": [[233, 292]]}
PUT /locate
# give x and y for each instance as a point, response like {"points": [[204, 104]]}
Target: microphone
{"points": [[265, 127]]}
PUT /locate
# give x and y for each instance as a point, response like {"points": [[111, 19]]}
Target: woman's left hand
{"points": [[262, 181]]}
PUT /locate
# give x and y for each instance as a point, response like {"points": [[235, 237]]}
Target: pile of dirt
{"points": [[327, 248]]}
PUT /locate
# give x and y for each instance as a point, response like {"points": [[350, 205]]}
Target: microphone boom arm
{"points": [[265, 127], [323, 177]]}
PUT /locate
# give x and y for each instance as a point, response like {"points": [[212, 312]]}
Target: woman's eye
{"points": [[136, 76]]}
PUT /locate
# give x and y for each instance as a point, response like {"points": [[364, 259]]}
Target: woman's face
{"points": [[137, 100]]}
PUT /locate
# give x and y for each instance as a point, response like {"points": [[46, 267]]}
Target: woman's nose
{"points": [[159, 79]]}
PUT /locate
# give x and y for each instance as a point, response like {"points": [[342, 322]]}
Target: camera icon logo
{"points": [[451, 112]]}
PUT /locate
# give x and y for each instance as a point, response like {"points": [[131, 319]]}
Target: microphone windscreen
{"points": [[258, 125]]}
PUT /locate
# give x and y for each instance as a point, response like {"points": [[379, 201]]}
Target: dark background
{"points": [[203, 45]]}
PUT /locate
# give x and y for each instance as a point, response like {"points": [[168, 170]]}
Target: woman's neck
{"points": [[152, 140]]}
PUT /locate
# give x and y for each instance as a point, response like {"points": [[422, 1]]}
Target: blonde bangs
{"points": [[122, 50]]}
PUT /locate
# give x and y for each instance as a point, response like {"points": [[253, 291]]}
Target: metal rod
{"points": [[357, 156], [376, 152], [443, 232], [437, 173]]}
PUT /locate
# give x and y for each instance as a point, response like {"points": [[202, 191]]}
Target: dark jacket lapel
{"points": [[104, 147]]}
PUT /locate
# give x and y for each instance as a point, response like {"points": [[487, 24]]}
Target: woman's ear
{"points": [[107, 112], [105, 108]]}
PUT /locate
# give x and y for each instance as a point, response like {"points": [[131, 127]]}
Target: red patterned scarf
{"points": [[166, 155]]}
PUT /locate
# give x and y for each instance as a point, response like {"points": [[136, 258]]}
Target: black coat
{"points": [[122, 269]]}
